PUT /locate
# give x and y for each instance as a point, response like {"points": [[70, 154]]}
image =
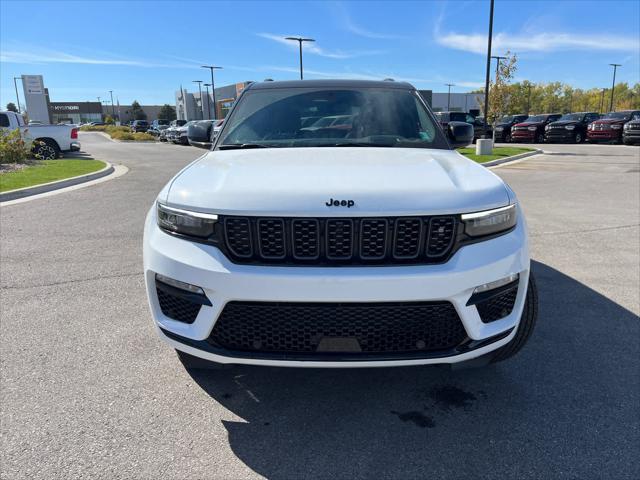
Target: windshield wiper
{"points": [[358, 144], [236, 146]]}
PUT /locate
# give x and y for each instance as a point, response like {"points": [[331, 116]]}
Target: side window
{"points": [[4, 120], [470, 119]]}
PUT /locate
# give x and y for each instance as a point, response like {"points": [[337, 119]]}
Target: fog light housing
{"points": [[485, 287], [187, 287]]}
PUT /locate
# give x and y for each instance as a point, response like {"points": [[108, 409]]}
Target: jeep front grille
{"points": [[339, 241]]}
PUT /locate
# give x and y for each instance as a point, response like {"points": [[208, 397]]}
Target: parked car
{"points": [[139, 126], [479, 127], [609, 127], [180, 134], [631, 131], [156, 123], [532, 129], [502, 130], [258, 254], [96, 124], [156, 131], [571, 127], [170, 132], [48, 140]]}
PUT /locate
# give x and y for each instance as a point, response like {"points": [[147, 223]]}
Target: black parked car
{"points": [[139, 126], [478, 124], [631, 131], [503, 127], [571, 127]]}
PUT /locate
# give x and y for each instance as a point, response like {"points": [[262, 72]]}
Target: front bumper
{"points": [[223, 282], [631, 136], [604, 135], [560, 135], [523, 136]]}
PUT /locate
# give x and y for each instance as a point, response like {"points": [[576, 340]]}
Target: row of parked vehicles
{"points": [[613, 127]]}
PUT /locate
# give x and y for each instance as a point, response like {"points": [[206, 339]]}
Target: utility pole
{"points": [[300, 40], [199, 82], [602, 101], [486, 81], [213, 88], [206, 86], [17, 96], [498, 58], [449, 96], [613, 85], [528, 98]]}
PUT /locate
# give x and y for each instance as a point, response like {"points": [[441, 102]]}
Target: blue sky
{"points": [[146, 50]]}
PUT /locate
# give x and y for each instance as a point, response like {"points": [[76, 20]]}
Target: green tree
{"points": [[109, 120], [137, 112], [167, 112], [12, 107]]}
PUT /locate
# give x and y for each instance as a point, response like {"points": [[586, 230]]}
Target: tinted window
{"points": [[4, 120], [371, 116]]}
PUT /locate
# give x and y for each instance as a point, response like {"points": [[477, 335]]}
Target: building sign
{"points": [[66, 108], [33, 84]]}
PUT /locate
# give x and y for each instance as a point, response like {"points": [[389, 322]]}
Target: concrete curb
{"points": [[53, 188], [513, 158]]}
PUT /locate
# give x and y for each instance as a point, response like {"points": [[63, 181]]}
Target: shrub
{"points": [[13, 149], [93, 128], [109, 120], [122, 136], [143, 137], [111, 129]]}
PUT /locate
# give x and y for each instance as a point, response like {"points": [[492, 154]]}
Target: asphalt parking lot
{"points": [[88, 390]]}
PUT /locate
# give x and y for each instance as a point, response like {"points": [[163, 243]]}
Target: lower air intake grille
{"points": [[175, 307], [499, 306], [300, 328]]}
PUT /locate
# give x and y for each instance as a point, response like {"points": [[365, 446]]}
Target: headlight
{"points": [[548, 127], [616, 126], [193, 224], [499, 129], [532, 129], [570, 127], [627, 126], [489, 222], [590, 126]]}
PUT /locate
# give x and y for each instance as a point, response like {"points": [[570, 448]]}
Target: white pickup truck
{"points": [[48, 140]]}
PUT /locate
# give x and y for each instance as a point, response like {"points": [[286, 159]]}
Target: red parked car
{"points": [[532, 130], [609, 127]]}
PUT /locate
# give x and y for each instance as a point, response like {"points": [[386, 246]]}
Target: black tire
{"points": [[196, 363], [539, 138], [578, 137], [525, 328], [46, 149], [507, 138]]}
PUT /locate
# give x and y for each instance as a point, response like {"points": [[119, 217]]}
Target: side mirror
{"points": [[460, 134], [199, 134]]}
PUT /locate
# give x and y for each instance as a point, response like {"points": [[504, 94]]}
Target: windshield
{"points": [[616, 116], [536, 118], [506, 119], [320, 117], [572, 116]]}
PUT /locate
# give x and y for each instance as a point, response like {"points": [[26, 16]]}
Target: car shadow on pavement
{"points": [[78, 155], [563, 406]]}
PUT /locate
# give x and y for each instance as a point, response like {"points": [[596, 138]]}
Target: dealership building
{"points": [[191, 106]]}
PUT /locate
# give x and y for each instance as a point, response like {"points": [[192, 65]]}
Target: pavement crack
{"points": [[587, 230], [65, 282]]}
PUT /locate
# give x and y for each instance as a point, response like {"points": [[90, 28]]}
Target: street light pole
{"points": [[486, 81], [300, 40], [213, 88], [199, 82], [528, 98], [613, 85], [113, 110], [206, 86], [449, 96], [17, 96], [602, 101]]}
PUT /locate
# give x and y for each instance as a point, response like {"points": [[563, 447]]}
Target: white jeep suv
{"points": [[367, 242]]}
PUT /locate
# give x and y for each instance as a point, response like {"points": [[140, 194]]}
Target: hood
{"points": [[610, 121], [301, 181], [564, 122], [528, 124]]}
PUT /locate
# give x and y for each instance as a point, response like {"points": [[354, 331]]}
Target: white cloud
{"points": [[310, 47], [40, 56], [356, 29], [539, 42]]}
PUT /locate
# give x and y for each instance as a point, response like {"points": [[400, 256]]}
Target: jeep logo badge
{"points": [[340, 203]]}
